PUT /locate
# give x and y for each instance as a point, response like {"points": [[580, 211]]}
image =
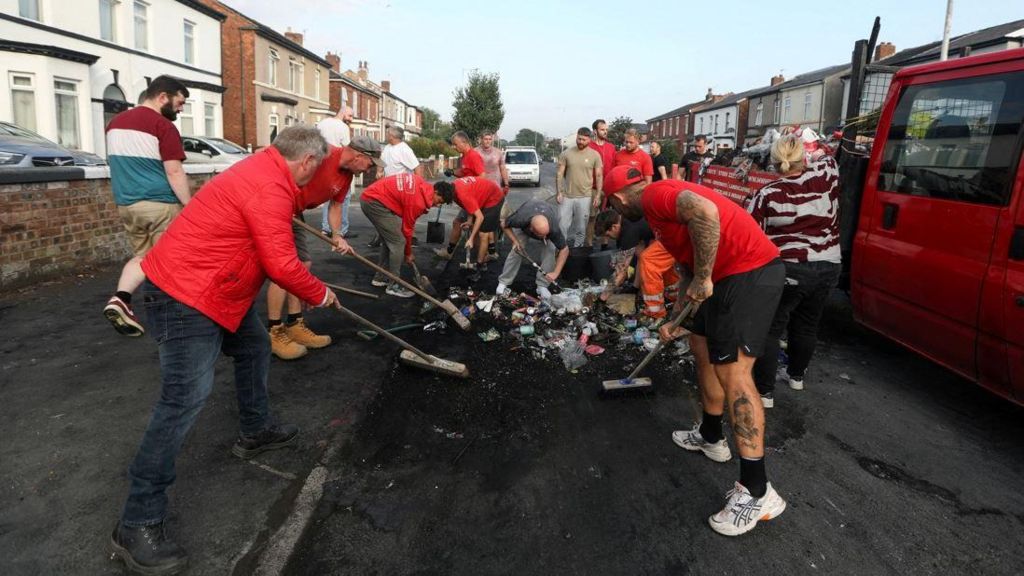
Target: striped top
{"points": [[139, 141], [800, 213]]}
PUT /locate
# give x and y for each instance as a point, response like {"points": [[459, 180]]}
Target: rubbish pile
{"points": [[572, 327]]}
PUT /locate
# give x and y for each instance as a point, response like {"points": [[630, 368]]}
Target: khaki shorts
{"points": [[145, 222]]}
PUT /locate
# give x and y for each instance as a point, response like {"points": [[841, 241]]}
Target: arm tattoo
{"points": [[701, 219], [743, 423]]}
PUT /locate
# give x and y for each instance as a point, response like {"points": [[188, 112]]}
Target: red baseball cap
{"points": [[620, 177]]}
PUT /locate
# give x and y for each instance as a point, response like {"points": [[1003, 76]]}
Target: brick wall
{"points": [[238, 62], [60, 227]]}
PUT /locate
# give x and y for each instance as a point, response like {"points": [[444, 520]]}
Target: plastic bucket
{"points": [[577, 266], [601, 265]]}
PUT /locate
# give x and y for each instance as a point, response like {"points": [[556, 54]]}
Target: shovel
{"points": [[422, 281], [631, 381], [447, 305]]}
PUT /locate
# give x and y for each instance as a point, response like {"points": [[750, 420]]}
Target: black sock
{"points": [[125, 297], [272, 323], [753, 476], [293, 318], [711, 428], [451, 247], [492, 249]]}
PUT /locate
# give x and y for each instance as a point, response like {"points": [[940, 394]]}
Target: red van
{"points": [[933, 225], [938, 252]]}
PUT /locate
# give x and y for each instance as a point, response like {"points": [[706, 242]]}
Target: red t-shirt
{"points": [[637, 159], [607, 153], [407, 195], [472, 164], [330, 182], [477, 193], [742, 245]]}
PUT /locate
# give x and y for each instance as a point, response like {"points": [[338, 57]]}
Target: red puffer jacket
{"points": [[234, 233]]}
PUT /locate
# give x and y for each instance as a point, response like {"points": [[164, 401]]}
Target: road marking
{"points": [[282, 542]]}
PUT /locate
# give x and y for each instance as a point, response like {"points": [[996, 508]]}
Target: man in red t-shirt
{"points": [[331, 181], [471, 164], [606, 150], [632, 155], [481, 199], [392, 204], [738, 277]]}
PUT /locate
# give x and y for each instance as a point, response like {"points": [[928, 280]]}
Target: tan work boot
{"points": [[282, 345], [300, 333]]}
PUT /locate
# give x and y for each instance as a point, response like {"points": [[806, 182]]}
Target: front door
{"points": [[944, 181]]}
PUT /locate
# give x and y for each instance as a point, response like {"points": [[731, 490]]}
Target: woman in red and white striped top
{"points": [[799, 213]]}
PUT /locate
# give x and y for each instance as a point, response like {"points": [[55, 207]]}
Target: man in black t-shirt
{"points": [[699, 153], [631, 238], [661, 166]]}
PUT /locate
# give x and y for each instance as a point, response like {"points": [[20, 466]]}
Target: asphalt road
{"points": [[890, 465]]}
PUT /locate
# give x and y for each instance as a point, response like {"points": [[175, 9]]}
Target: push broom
{"points": [[411, 355], [630, 382], [448, 306]]}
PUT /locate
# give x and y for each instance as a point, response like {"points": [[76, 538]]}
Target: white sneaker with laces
{"points": [[379, 281], [692, 440], [501, 290], [742, 511], [396, 289], [796, 384]]}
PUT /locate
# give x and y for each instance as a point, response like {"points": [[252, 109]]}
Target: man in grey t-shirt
{"points": [[535, 220]]}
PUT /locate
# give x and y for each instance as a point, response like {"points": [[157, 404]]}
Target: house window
{"points": [[187, 124], [716, 124], [108, 20], [272, 61], [141, 25], [702, 125], [775, 112], [807, 105], [760, 114], [23, 101], [190, 42], [786, 107], [272, 123], [210, 119], [295, 76], [355, 103], [28, 9], [316, 87], [114, 102], [727, 121], [66, 100]]}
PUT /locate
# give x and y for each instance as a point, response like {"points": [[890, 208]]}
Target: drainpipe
{"points": [[945, 33]]}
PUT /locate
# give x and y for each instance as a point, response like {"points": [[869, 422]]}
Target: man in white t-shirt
{"points": [[337, 133], [397, 156]]}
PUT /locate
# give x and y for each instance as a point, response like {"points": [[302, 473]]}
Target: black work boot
{"points": [[276, 436], [147, 550]]}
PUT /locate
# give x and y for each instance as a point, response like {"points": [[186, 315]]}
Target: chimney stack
{"points": [[364, 70], [776, 80], [385, 85], [709, 95], [293, 36], [335, 60], [884, 50]]}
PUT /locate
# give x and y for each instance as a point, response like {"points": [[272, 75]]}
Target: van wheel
{"points": [[537, 183]]}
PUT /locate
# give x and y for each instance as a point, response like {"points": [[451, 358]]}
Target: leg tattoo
{"points": [[743, 423]]}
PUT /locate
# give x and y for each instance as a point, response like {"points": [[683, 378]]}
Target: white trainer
{"points": [[796, 384], [501, 290], [692, 440], [742, 511]]}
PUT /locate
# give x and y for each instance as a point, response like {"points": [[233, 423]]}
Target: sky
{"points": [[564, 63]]}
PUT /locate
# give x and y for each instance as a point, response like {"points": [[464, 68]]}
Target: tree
{"points": [[478, 105], [527, 137], [617, 130], [433, 127]]}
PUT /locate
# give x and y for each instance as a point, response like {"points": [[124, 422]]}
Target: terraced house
{"points": [[273, 81]]}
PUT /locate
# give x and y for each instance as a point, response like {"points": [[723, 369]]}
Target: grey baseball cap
{"points": [[367, 146]]}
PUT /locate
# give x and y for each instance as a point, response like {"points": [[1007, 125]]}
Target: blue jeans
{"points": [[189, 345], [325, 225]]}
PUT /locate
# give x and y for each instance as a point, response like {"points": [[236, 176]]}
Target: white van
{"points": [[523, 165]]}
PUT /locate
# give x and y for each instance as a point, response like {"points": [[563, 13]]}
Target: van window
{"points": [[520, 157], [956, 140]]}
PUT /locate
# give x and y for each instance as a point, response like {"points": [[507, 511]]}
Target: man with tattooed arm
{"points": [[737, 277]]}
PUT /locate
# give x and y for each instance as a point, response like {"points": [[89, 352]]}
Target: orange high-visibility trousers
{"points": [[658, 279]]}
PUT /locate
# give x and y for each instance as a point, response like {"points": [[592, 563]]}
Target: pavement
{"points": [[890, 464]]}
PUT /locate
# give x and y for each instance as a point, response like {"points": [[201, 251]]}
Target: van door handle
{"points": [[889, 212]]}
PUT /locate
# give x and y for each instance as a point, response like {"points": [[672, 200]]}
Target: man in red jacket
{"points": [[392, 204], [738, 277], [482, 200], [202, 278]]}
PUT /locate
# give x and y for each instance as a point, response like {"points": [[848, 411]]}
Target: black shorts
{"points": [[300, 241], [740, 312], [492, 216]]}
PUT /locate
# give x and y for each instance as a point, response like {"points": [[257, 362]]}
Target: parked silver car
{"points": [[21, 148], [206, 150]]}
